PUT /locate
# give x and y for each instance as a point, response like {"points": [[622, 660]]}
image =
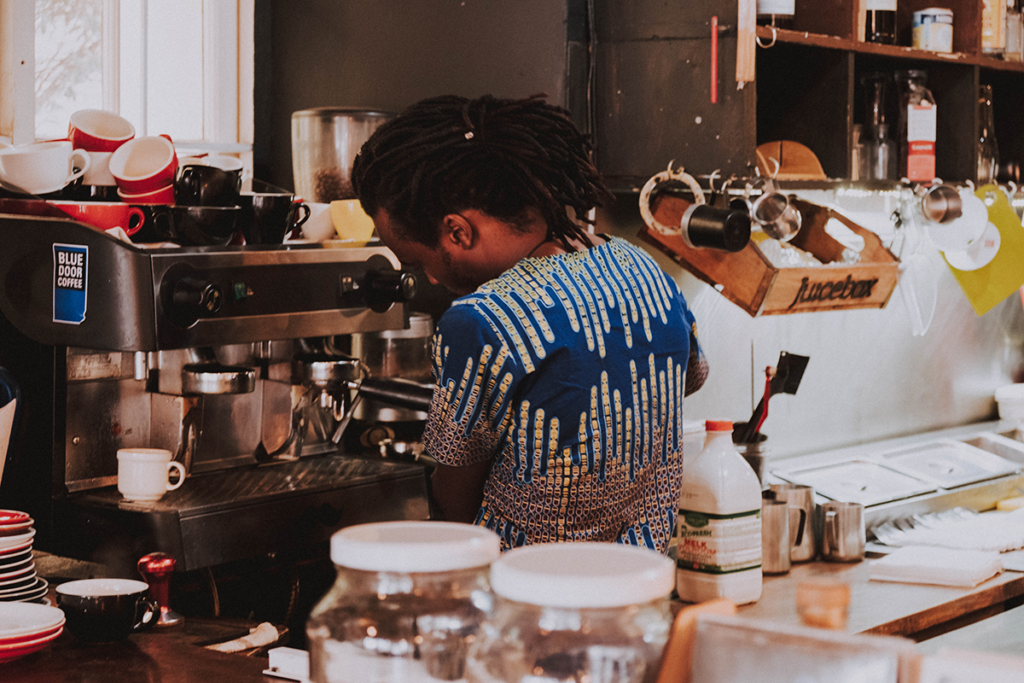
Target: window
{"points": [[180, 67]]}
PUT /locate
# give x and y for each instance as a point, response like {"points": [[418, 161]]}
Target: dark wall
{"points": [[387, 54]]}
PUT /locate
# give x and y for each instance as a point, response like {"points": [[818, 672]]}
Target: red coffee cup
{"points": [[144, 165], [161, 195], [105, 215], [95, 130]]}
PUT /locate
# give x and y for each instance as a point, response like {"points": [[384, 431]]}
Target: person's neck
{"points": [[552, 247]]}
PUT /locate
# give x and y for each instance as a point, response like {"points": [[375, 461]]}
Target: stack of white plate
{"points": [[25, 629], [18, 580]]}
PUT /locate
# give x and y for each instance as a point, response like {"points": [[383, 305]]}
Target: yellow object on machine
{"points": [[1010, 504]]}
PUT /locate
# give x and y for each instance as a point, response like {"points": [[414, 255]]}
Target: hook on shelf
{"points": [[775, 36]]}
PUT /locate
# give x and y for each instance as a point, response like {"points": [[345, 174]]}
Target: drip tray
{"points": [[241, 514], [949, 464], [970, 467], [858, 481]]}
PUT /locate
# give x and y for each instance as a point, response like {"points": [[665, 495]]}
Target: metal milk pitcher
{"points": [[800, 499], [843, 535]]}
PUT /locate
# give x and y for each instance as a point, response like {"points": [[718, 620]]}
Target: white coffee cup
{"points": [[143, 474], [319, 226], [99, 170], [42, 167]]}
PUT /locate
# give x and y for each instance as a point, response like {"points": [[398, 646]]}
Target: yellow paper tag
{"points": [[1004, 274]]}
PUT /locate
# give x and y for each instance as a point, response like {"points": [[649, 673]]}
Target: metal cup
{"points": [[776, 215], [801, 508], [843, 537], [775, 552]]}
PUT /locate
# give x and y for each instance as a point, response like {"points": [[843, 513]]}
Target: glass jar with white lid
{"points": [[408, 600], [575, 612]]}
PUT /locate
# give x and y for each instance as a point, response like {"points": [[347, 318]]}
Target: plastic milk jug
{"points": [[719, 524]]}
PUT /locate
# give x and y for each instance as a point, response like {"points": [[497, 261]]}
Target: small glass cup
{"points": [[823, 604]]}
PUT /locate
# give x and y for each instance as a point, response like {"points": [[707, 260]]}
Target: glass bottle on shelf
{"points": [[917, 116], [881, 22], [777, 13], [993, 27], [1014, 32], [987, 148], [858, 158], [879, 162]]}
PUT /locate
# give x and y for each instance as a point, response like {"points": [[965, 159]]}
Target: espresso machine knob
{"points": [[192, 298], [386, 287]]}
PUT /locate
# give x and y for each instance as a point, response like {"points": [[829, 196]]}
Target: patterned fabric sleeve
{"points": [[697, 364], [473, 377]]}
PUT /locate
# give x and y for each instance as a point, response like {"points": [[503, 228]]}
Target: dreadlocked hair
{"points": [[502, 157]]}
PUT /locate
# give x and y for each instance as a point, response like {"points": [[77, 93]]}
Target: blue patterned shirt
{"points": [[569, 372]]}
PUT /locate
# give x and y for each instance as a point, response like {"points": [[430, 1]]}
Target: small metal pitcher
{"points": [[800, 499]]}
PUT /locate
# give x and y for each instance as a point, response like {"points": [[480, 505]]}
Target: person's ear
{"points": [[458, 231]]}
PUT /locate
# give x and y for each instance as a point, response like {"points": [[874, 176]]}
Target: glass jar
{"points": [[777, 13], [408, 601], [880, 26], [823, 604], [575, 612]]}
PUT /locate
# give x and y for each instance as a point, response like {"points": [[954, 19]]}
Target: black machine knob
{"points": [[191, 299], [386, 287]]}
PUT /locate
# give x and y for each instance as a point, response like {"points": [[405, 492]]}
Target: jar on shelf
{"points": [[1014, 51], [408, 600], [575, 612], [777, 13], [880, 26]]}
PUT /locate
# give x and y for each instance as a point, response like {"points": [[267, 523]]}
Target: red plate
{"points": [[13, 516], [21, 619], [18, 650], [14, 640]]}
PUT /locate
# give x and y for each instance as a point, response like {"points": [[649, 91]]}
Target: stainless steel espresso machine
{"points": [[224, 355]]}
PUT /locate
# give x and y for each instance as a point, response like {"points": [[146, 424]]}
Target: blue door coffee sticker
{"points": [[70, 280]]}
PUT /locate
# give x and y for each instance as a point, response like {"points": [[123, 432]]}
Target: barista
{"points": [[561, 368]]}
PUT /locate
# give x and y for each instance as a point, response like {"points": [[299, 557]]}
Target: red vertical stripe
{"points": [[714, 59]]}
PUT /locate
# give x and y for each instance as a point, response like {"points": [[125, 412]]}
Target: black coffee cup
{"points": [[104, 610], [200, 185], [201, 226], [267, 217]]}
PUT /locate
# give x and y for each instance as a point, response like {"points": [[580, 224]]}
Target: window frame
{"points": [[228, 35]]}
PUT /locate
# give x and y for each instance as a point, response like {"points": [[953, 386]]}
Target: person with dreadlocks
{"points": [[561, 369]]}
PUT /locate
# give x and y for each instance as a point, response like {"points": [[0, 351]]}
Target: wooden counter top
{"points": [[155, 656], [883, 607]]}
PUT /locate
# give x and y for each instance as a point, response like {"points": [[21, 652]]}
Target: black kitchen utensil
{"points": [[788, 373]]}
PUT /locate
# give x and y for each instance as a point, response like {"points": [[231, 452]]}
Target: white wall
{"points": [[868, 377]]}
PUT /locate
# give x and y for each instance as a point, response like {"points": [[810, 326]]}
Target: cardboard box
{"points": [[751, 282]]}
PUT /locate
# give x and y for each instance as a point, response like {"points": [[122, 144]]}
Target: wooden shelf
{"points": [[897, 51]]}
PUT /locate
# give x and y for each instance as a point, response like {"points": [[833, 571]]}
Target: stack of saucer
{"points": [[18, 580], [25, 629]]}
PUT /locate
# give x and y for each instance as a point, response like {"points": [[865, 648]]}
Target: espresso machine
{"points": [[226, 356]]}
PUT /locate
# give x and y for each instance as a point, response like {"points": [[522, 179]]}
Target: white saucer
{"points": [[14, 541], [979, 254]]}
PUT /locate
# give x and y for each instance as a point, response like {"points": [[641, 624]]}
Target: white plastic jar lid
{"points": [[414, 546], [583, 575], [1010, 392]]}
